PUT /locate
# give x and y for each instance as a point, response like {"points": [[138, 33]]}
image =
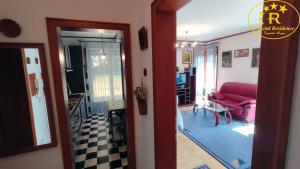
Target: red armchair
{"points": [[240, 98]]}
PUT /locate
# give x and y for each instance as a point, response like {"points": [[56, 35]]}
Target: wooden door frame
{"points": [[49, 104], [60, 87], [275, 90]]}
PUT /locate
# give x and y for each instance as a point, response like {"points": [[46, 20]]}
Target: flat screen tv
{"points": [[180, 79]]}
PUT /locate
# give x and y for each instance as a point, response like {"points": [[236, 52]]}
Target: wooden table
{"points": [[116, 105]]}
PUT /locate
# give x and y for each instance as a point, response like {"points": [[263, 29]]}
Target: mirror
{"points": [[26, 116]]}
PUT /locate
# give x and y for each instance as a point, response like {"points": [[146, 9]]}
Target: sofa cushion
{"points": [[244, 103], [227, 101], [241, 89], [218, 96], [237, 98]]}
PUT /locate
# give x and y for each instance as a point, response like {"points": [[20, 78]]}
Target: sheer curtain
{"points": [[199, 64], [206, 75], [211, 69], [104, 75]]}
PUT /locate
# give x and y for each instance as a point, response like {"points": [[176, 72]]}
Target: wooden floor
{"points": [[190, 155]]}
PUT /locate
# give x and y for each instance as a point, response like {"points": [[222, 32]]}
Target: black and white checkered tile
{"points": [[95, 149]]}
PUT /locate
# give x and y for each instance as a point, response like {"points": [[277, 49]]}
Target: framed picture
{"points": [[227, 59], [187, 56], [255, 57], [241, 53]]}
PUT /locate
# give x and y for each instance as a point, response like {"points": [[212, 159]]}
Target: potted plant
{"points": [[141, 97]]}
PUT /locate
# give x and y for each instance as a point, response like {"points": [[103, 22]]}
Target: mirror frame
{"points": [[47, 91]]}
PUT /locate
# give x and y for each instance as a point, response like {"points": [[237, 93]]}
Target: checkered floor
{"points": [[95, 150]]}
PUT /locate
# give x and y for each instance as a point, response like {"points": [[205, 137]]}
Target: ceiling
{"points": [[75, 36], [210, 19]]}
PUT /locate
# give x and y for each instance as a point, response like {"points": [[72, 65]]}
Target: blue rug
{"points": [[231, 144], [202, 167]]}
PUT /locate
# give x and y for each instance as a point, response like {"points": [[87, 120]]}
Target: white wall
{"points": [[145, 129], [31, 15], [293, 150], [241, 70]]}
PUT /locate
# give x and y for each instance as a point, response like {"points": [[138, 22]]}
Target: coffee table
{"points": [[215, 108]]}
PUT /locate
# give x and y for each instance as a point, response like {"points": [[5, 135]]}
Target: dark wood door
{"points": [[15, 129]]}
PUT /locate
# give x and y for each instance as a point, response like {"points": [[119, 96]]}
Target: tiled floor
{"points": [[96, 150]]}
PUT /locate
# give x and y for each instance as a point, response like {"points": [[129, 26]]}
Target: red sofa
{"points": [[240, 98]]}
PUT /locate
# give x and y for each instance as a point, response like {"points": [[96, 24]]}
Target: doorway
{"points": [[271, 132], [95, 71], [217, 129]]}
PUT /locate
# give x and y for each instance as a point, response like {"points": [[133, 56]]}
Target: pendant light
{"points": [[102, 52], [187, 45]]}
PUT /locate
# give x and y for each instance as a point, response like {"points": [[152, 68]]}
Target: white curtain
{"points": [[211, 69], [104, 75], [205, 79], [199, 64]]}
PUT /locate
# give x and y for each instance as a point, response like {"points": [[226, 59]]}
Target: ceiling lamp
{"points": [[103, 56], [194, 44], [102, 52], [186, 44]]}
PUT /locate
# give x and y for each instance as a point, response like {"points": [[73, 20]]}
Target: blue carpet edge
{"points": [[202, 166]]}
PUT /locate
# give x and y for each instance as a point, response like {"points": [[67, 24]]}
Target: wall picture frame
{"points": [[143, 38], [227, 59], [241, 53], [187, 56], [255, 57]]}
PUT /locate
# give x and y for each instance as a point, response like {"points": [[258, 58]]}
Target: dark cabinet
{"points": [[76, 121], [187, 93], [183, 94], [77, 114], [75, 77]]}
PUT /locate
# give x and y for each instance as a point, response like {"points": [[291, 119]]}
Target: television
{"points": [[180, 79]]}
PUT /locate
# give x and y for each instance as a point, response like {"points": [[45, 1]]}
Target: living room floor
{"points": [[190, 155]]}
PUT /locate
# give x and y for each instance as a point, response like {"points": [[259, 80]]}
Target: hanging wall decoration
{"points": [[187, 56], [227, 59], [10, 28], [143, 39], [141, 97], [241, 53], [255, 57]]}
